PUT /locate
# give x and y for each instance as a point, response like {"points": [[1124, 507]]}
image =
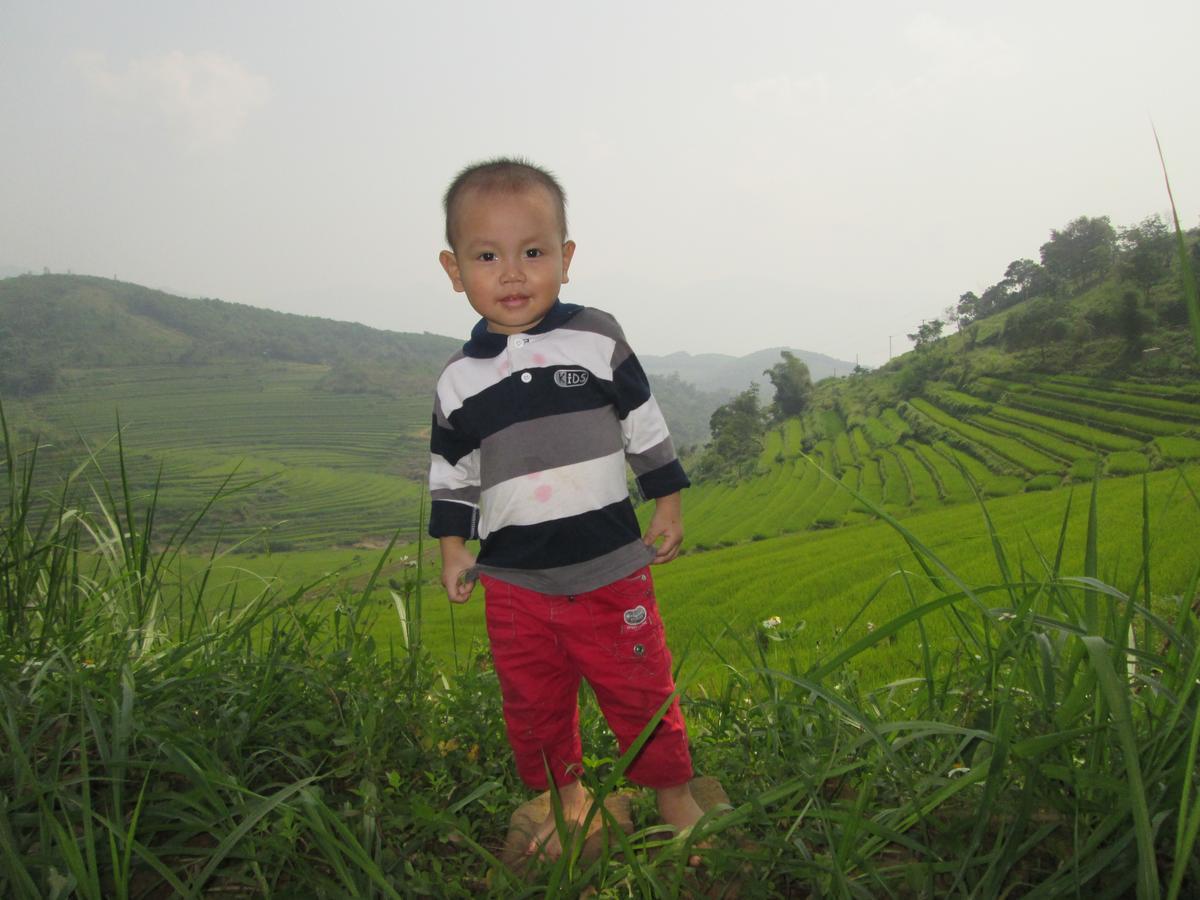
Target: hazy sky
{"points": [[740, 175]]}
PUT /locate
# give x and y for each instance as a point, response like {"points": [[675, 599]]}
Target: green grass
{"points": [[1177, 449], [1016, 452], [1036, 438], [978, 701], [897, 491], [1043, 482], [1186, 409], [315, 469], [1096, 416], [1128, 462], [1187, 393], [1081, 434]]}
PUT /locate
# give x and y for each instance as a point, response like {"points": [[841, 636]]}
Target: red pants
{"points": [[543, 644]]}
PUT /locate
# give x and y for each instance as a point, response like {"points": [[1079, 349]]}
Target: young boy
{"points": [[534, 421]]}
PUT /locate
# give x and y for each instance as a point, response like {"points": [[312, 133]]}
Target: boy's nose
{"points": [[512, 271]]}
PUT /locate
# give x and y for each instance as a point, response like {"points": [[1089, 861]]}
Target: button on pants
{"points": [[542, 644]]}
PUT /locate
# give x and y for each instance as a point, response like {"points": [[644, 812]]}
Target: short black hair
{"points": [[507, 174]]}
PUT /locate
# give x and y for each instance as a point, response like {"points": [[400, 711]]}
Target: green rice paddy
{"points": [[305, 467]]}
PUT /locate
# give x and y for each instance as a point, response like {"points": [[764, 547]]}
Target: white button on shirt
{"points": [[526, 377]]}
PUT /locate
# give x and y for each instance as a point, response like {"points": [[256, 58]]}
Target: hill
{"points": [[58, 323], [320, 424], [1056, 374], [723, 374], [317, 427]]}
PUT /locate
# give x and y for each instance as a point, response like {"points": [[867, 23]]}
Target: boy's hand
{"points": [[456, 560], [666, 524]]}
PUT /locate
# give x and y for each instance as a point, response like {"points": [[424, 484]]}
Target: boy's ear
{"points": [[568, 253], [450, 263]]}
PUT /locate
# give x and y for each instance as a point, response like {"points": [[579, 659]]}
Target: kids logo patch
{"points": [[569, 378], [636, 616]]}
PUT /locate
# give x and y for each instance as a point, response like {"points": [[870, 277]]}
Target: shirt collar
{"points": [[484, 343]]}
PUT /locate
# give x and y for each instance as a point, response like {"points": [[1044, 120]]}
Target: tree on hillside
{"points": [[1081, 253], [1036, 324], [793, 385], [1024, 279], [1145, 252], [1133, 324], [967, 308], [925, 336], [736, 428]]}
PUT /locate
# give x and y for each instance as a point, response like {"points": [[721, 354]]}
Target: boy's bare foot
{"points": [[575, 804], [678, 808]]}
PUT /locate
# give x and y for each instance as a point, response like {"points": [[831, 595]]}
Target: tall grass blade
{"points": [[253, 816], [1187, 276], [1116, 694]]}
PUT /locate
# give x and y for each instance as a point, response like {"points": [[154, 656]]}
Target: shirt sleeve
{"points": [[453, 480], [648, 447]]}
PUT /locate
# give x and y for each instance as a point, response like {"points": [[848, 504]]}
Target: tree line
{"points": [[737, 427], [1077, 257]]}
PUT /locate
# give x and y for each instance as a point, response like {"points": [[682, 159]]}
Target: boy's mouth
{"points": [[514, 300]]}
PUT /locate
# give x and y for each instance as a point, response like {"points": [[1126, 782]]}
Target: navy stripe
{"points": [[449, 443], [450, 519], [631, 384], [663, 481], [486, 344], [512, 400], [562, 542]]}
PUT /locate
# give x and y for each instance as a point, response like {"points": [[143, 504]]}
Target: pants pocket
{"points": [[499, 611]]}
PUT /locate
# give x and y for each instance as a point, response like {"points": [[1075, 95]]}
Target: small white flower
{"points": [[957, 771], [772, 622], [870, 627]]}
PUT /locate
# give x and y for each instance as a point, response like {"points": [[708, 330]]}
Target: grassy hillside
{"points": [[906, 690], [1005, 436], [83, 322], [942, 712], [318, 429]]}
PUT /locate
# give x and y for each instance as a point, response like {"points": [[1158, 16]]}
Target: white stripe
{"points": [[644, 427], [554, 494], [562, 347], [443, 476], [468, 376]]}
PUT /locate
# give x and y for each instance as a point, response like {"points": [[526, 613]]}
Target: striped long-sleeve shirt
{"points": [[531, 434]]}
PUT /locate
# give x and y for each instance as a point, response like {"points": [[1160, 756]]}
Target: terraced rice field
{"points": [[311, 468], [833, 584], [996, 437]]}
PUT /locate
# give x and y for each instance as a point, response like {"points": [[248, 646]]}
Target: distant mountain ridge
{"points": [[81, 321], [55, 329], [720, 372]]}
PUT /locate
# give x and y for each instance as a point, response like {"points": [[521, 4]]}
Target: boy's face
{"points": [[509, 257]]}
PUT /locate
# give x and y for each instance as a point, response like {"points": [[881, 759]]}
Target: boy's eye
{"points": [[533, 253], [487, 256]]}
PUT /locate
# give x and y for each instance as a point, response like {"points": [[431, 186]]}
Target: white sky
{"points": [[741, 175]]}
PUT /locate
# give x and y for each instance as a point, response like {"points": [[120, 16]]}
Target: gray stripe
{"points": [[600, 322], [549, 442], [597, 320], [579, 577], [460, 495], [439, 416], [659, 455]]}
